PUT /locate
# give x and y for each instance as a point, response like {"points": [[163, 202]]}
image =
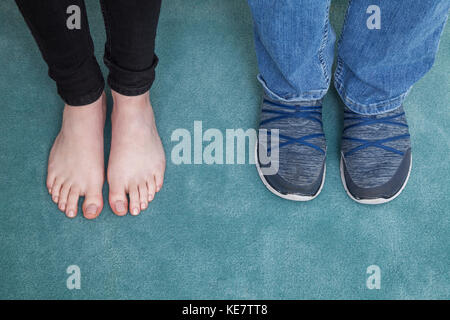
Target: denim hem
{"points": [[317, 102], [366, 109], [85, 99], [314, 95]]}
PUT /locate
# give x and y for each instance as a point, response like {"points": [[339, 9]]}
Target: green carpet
{"points": [[214, 231]]}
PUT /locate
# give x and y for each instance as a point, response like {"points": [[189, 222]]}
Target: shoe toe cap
{"points": [[284, 187], [381, 193]]}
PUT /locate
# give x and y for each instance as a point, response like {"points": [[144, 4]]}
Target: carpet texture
{"points": [[214, 231]]}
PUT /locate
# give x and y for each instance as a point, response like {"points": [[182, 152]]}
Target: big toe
{"points": [[92, 205]]}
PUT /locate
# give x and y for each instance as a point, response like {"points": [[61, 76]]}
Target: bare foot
{"points": [[137, 161], [76, 165]]}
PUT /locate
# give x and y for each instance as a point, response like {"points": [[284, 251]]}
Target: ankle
{"points": [[85, 116], [122, 100]]}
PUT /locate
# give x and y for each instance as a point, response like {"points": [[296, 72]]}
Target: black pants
{"points": [[69, 51]]}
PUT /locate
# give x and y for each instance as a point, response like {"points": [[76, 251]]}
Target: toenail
{"points": [[143, 205], [71, 213], [120, 207], [55, 199], [91, 209], [62, 206], [135, 211]]}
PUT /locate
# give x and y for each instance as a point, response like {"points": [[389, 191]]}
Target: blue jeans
{"points": [[376, 67]]}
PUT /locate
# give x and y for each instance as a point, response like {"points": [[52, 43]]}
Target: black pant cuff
{"points": [[83, 99], [130, 82]]}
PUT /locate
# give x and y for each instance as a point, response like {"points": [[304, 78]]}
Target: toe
{"points": [[134, 200], [93, 204], [118, 200], [50, 181], [56, 190], [151, 189], [159, 179], [72, 203], [143, 196], [64, 194]]}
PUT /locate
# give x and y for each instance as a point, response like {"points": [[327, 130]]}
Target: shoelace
{"points": [[377, 143], [286, 111]]}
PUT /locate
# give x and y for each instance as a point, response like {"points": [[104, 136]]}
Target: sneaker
{"points": [[301, 149], [375, 155]]}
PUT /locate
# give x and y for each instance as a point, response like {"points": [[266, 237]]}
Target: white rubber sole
{"points": [[292, 197], [372, 201]]}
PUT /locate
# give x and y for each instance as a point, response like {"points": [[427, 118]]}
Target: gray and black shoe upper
{"points": [[376, 155], [302, 146]]}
